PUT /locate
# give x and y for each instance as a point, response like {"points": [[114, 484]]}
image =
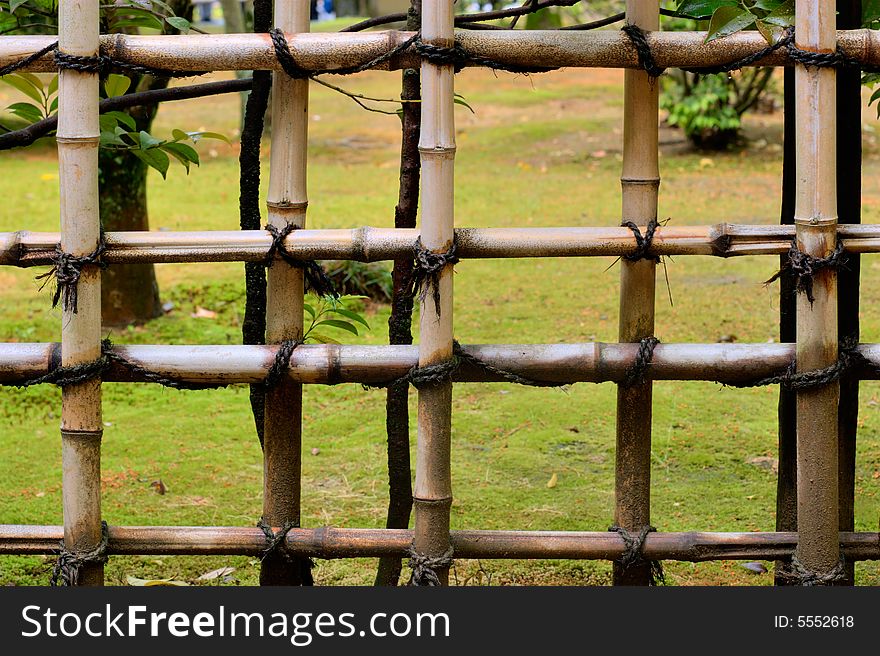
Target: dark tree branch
{"points": [[400, 321], [27, 136]]}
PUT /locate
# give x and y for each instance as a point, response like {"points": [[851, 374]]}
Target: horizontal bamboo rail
{"points": [[529, 48], [366, 244], [329, 542], [592, 362]]}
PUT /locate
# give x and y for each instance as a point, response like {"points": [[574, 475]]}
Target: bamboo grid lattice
{"points": [[815, 551]]}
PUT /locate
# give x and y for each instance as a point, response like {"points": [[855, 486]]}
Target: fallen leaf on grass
{"points": [[553, 481], [203, 313], [216, 574], [148, 583], [754, 568]]}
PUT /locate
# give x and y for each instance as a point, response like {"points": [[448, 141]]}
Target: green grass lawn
{"points": [[539, 151]]}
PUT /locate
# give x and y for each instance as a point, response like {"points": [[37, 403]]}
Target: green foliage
{"points": [[118, 129], [726, 17], [329, 312], [367, 279], [703, 109]]}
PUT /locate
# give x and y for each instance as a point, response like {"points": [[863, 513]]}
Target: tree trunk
{"points": [[129, 292]]}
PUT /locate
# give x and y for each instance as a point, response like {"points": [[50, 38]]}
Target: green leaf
{"points": [[126, 120], [147, 140], [336, 323], [154, 158], [703, 8], [179, 23], [197, 136], [308, 308], [53, 106], [185, 154], [870, 11], [28, 89], [782, 16], [728, 20], [30, 113], [107, 123], [354, 316], [15, 4], [111, 139], [116, 85], [53, 86], [36, 82], [459, 100]]}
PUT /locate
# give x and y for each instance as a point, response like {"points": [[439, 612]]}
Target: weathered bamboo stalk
{"points": [[81, 424], [330, 542], [816, 226], [432, 495], [640, 182], [591, 362], [286, 202], [26, 249], [569, 49]]}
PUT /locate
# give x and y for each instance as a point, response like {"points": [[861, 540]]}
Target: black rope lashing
{"points": [[639, 38], [66, 270], [80, 373], [424, 567], [21, 63], [643, 242], [804, 267], [275, 542], [104, 65], [442, 372], [427, 267], [276, 545], [63, 376], [295, 71], [281, 363], [69, 563], [458, 56], [633, 553], [463, 356], [848, 359], [152, 376], [635, 374], [797, 573], [317, 278]]}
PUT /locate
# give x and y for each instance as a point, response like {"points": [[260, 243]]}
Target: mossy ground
{"points": [[540, 151]]}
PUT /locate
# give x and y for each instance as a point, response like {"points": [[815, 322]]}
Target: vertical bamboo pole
{"points": [[816, 226], [640, 182], [432, 497], [287, 201], [81, 424], [849, 195]]}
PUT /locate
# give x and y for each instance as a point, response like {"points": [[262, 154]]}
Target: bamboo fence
{"points": [[818, 544]]}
